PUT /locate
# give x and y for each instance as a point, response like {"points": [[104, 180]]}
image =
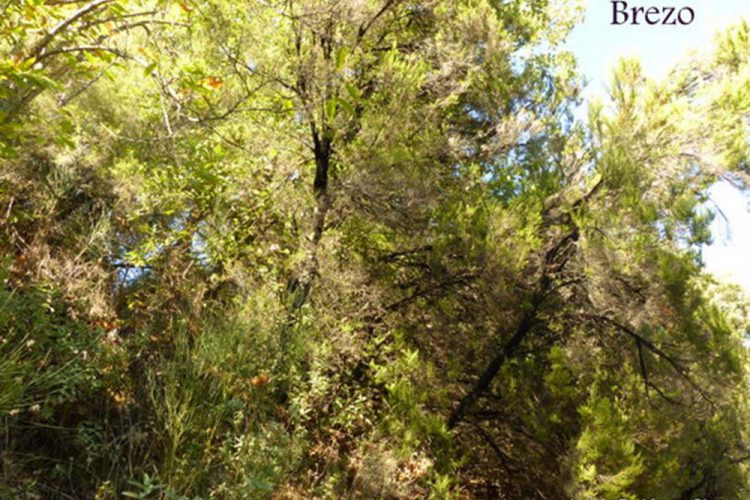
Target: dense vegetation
{"points": [[361, 249]]}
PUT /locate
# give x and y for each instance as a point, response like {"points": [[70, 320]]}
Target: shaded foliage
{"points": [[320, 249]]}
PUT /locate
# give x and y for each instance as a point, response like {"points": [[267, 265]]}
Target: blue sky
{"points": [[598, 45]]}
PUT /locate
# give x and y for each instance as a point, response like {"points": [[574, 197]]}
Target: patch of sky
{"points": [[598, 46]]}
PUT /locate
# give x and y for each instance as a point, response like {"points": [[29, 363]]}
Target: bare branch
{"points": [[681, 370], [84, 48], [63, 25], [120, 17], [64, 100], [366, 27]]}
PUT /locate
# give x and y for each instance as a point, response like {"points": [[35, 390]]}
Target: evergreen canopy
{"points": [[361, 249]]}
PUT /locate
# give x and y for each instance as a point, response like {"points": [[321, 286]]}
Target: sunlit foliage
{"points": [[361, 249]]}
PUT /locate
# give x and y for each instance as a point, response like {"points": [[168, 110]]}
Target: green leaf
{"points": [[149, 69], [341, 55], [346, 105], [353, 91], [330, 108]]}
